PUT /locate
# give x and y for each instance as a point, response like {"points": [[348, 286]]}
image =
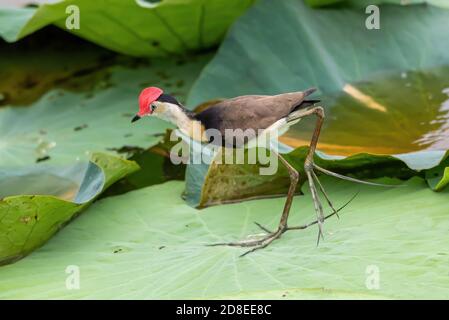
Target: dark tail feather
{"points": [[307, 103], [293, 115], [309, 91]]}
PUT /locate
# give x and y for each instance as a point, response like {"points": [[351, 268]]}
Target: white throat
{"points": [[174, 114], [171, 112]]}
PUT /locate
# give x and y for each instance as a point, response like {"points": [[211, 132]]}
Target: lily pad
{"points": [[219, 183], [133, 27], [390, 114], [388, 243], [386, 95], [64, 126], [438, 177], [254, 55], [37, 201], [155, 167]]}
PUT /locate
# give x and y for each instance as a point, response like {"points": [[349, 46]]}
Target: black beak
{"points": [[136, 117]]}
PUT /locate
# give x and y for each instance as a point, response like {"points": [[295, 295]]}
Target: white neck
{"points": [[171, 113], [175, 115]]}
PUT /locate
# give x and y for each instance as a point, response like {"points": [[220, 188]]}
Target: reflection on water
{"points": [[39, 184], [389, 114], [365, 99], [438, 139]]}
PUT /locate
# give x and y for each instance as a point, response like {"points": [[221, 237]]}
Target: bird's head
{"points": [[147, 102], [153, 101]]}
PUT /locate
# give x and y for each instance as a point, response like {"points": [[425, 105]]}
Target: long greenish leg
{"points": [[308, 165], [282, 227]]}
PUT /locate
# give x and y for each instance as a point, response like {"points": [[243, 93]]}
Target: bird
{"points": [[258, 114]]}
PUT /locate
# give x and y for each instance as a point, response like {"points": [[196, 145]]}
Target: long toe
{"points": [[256, 243], [323, 192], [263, 228]]}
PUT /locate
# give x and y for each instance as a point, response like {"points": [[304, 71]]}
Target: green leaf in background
{"points": [[390, 114], [155, 167], [37, 201], [50, 59], [438, 177], [214, 184], [64, 126], [254, 57], [384, 91], [12, 20], [133, 27], [135, 246]]}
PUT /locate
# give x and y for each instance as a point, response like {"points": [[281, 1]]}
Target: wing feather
{"points": [[256, 112]]}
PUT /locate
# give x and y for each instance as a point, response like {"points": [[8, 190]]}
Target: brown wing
{"points": [[254, 112]]}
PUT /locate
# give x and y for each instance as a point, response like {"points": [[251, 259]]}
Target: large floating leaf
{"points": [[155, 167], [63, 126], [219, 183], [384, 91], [318, 48], [37, 201], [137, 246], [438, 177], [406, 112], [134, 27]]}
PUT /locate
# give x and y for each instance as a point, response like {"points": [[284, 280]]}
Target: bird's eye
{"points": [[153, 107]]}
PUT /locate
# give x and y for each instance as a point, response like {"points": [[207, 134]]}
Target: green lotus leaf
{"points": [[50, 59], [133, 27], [438, 177], [314, 60], [155, 167], [388, 243], [385, 92], [63, 126], [219, 182], [36, 201]]}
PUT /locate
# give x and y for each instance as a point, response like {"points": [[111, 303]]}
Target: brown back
{"points": [[249, 112]]}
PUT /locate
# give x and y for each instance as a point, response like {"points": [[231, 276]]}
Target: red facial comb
{"points": [[147, 96]]}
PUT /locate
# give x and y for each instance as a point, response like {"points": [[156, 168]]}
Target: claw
{"points": [[253, 249], [329, 202], [262, 227], [325, 218], [317, 204], [243, 243], [256, 244], [320, 233]]}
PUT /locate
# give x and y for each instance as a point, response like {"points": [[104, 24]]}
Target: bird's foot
{"points": [[259, 241], [309, 167], [269, 236], [255, 243], [263, 228], [313, 181]]}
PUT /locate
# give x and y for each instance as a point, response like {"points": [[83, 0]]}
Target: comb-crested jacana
{"points": [[259, 113]]}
